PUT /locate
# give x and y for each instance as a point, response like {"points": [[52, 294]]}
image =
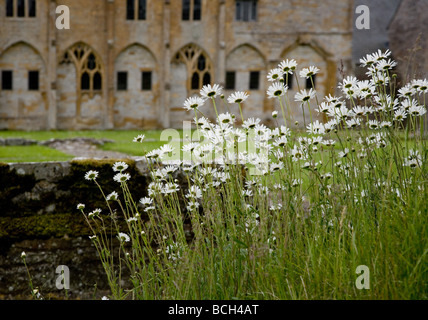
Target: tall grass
{"points": [[292, 216]]}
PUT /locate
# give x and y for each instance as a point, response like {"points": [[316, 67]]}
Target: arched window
{"points": [[199, 67], [88, 68]]}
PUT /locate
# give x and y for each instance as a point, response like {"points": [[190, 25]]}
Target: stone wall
{"points": [[310, 31], [38, 215]]}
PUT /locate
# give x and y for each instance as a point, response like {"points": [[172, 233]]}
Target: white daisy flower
{"points": [[251, 123], [288, 66], [304, 96], [120, 166], [146, 201], [112, 196], [80, 206], [275, 74], [194, 193], [192, 205], [123, 237], [308, 72], [190, 147], [276, 90], [122, 177], [238, 97], [209, 91], [139, 138], [91, 175], [193, 103]]}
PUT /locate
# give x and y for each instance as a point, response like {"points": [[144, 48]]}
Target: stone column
{"points": [[165, 79], [221, 56], [51, 67], [109, 68]]}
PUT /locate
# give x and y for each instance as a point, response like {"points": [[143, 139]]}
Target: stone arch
{"points": [[198, 65], [244, 60], [81, 82], [191, 68], [135, 107], [308, 53], [22, 108]]}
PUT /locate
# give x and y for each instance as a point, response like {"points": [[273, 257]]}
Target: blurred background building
{"points": [[131, 63]]}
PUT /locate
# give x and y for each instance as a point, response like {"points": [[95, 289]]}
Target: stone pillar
{"points": [[165, 79], [221, 56], [51, 65], [109, 68]]}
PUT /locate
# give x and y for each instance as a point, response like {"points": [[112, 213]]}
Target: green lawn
{"points": [[122, 143], [33, 153]]}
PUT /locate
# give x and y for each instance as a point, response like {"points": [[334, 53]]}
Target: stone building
{"points": [[131, 63]]}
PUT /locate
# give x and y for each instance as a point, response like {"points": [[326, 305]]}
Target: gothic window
{"points": [[31, 8], [146, 80], [230, 80], [198, 65], [310, 84], [136, 9], [88, 68], [254, 80], [288, 80], [33, 80], [20, 8], [122, 81], [246, 10], [6, 80], [191, 10]]}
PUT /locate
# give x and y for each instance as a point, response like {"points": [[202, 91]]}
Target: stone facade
{"points": [[79, 68]]}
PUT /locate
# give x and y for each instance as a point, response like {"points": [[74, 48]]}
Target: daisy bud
{"points": [[275, 114]]}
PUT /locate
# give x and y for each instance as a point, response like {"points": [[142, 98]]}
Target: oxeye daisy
{"points": [[275, 114], [417, 110], [315, 128], [153, 154], [275, 74], [238, 97], [309, 72], [94, 213], [367, 61], [80, 206], [251, 123], [276, 90], [194, 193], [91, 175], [193, 103], [288, 66], [146, 201], [344, 153], [123, 237], [190, 147], [386, 64], [122, 177], [225, 118], [400, 115], [139, 138], [304, 96], [112, 196], [323, 107], [209, 91], [192, 206], [120, 166]]}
